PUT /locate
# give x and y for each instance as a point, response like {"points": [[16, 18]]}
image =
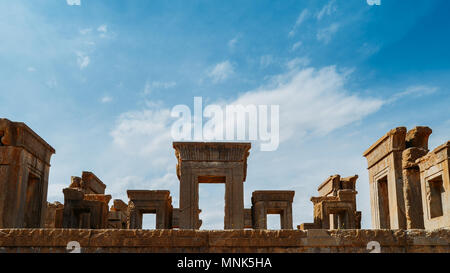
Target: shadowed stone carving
{"points": [[211, 162], [24, 169], [145, 201]]}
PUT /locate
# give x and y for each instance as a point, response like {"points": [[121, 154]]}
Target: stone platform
{"points": [[223, 241]]}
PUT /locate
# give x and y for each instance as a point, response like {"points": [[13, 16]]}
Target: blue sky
{"points": [[97, 80]]}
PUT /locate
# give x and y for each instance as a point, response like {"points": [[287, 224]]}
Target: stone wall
{"points": [[229, 241]]}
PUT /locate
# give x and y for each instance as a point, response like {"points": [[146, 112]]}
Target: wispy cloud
{"points": [[82, 60], [297, 63], [157, 85], [103, 29], [85, 31], [73, 2], [325, 34], [368, 49], [328, 9], [221, 71], [106, 99], [266, 60], [414, 92], [300, 19], [232, 43], [297, 45]]}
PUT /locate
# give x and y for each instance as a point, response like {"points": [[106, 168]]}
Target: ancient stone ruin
{"points": [[409, 186], [335, 208], [24, 168], [409, 190]]}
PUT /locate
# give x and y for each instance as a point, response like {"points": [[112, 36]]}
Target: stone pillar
{"points": [[259, 215], [411, 189], [24, 170], [417, 146]]}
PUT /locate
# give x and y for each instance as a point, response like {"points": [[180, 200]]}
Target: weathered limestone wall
{"points": [[229, 241]]}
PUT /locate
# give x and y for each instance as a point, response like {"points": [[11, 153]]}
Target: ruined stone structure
{"points": [[408, 186], [143, 201], [24, 169], [409, 191], [85, 204], [118, 215], [200, 162], [272, 202], [435, 187], [335, 208], [54, 216]]}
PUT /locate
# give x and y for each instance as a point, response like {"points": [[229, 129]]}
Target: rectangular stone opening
{"points": [[273, 221], [149, 220], [33, 202], [435, 196], [383, 203], [212, 206], [338, 220]]}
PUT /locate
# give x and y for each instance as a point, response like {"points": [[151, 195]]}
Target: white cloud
{"points": [[266, 60], [106, 99], [143, 132], [297, 45], [297, 63], [232, 42], [368, 50], [328, 9], [312, 101], [31, 69], [85, 31], [52, 83], [73, 2], [103, 28], [221, 71], [300, 19], [414, 92], [82, 60], [325, 34], [157, 85]]}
